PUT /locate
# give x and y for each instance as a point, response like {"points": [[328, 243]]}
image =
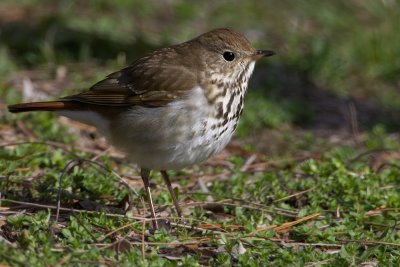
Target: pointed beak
{"points": [[262, 53], [265, 53]]}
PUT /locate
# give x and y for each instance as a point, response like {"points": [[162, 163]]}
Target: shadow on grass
{"points": [[325, 110], [51, 39]]}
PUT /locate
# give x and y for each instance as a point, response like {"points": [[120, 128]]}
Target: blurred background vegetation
{"points": [[338, 62], [322, 112]]}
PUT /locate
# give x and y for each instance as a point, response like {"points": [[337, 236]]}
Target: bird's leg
{"points": [[171, 191], [145, 173]]}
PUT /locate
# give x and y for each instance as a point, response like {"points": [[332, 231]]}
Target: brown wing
{"points": [[154, 80]]}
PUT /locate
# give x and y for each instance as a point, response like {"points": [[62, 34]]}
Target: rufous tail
{"points": [[43, 106]]}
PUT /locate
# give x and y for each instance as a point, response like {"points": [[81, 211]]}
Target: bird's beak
{"points": [[261, 53], [265, 53]]}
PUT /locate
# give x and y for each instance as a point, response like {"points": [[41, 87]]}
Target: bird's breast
{"points": [[183, 133]]}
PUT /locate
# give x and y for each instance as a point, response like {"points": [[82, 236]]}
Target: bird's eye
{"points": [[229, 56]]}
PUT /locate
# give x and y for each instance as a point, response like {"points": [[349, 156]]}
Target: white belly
{"points": [[163, 138], [170, 137]]}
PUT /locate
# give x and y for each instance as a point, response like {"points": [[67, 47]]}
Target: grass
{"points": [[355, 206], [301, 184]]}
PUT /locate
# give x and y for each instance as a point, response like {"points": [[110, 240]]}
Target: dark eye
{"points": [[229, 56]]}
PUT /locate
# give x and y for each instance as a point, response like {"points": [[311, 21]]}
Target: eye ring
{"points": [[228, 56]]}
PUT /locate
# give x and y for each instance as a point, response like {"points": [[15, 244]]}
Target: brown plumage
{"points": [[172, 108], [45, 106]]}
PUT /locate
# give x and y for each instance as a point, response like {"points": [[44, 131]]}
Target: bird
{"points": [[170, 109]]}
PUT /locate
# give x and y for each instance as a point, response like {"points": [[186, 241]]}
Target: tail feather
{"points": [[42, 106]]}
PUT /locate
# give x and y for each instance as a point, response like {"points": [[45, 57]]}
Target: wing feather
{"points": [[154, 80]]}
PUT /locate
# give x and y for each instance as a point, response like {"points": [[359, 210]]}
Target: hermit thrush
{"points": [[172, 108]]}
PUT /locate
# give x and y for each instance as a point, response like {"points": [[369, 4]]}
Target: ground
{"points": [[310, 179]]}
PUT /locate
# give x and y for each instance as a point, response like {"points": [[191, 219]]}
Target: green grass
{"points": [[330, 53], [345, 189]]}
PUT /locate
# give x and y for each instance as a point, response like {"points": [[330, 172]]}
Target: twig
{"points": [[372, 151], [87, 230], [79, 161], [116, 230], [205, 240], [319, 245], [101, 154], [25, 130], [368, 242], [46, 143], [61, 146], [191, 227], [280, 211], [113, 172], [383, 225], [66, 169], [202, 204], [354, 122], [290, 224], [318, 263], [14, 260], [296, 194], [387, 164], [142, 245], [136, 243], [42, 206], [63, 260], [248, 162]]}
